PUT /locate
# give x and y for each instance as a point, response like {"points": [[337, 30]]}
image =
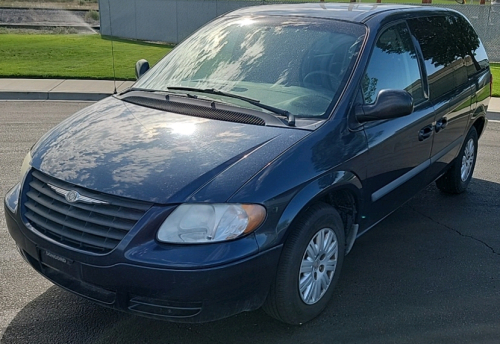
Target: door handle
{"points": [[425, 132], [441, 124]]}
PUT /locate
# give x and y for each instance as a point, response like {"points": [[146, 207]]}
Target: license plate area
{"points": [[57, 262]]}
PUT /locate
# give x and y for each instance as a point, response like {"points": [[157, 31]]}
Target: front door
{"points": [[399, 148]]}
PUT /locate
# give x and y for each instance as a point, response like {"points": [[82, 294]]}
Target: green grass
{"points": [[495, 70], [412, 2], [89, 57], [72, 56]]}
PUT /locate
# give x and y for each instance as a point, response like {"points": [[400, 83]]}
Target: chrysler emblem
{"points": [[72, 196]]}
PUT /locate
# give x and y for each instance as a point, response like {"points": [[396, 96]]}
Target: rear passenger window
{"points": [[393, 65], [451, 49], [435, 36], [476, 59]]}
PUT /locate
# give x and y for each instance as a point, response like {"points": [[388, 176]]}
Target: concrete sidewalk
{"points": [[494, 105], [58, 89], [69, 89]]}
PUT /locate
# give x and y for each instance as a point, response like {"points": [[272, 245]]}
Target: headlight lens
{"points": [[12, 198], [203, 223], [25, 166]]}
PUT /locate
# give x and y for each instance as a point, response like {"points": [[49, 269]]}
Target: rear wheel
{"points": [[458, 177], [309, 266]]}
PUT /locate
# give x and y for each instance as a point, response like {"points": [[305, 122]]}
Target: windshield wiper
{"points": [[290, 117]]}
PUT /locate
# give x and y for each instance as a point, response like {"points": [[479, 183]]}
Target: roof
{"points": [[354, 12]]}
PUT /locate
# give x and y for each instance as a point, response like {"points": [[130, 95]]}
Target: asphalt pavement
{"points": [[70, 89], [429, 273]]}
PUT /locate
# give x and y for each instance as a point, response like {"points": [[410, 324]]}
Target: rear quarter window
{"points": [[451, 49]]}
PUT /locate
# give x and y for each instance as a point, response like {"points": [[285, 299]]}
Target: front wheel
{"points": [[458, 177], [309, 266]]}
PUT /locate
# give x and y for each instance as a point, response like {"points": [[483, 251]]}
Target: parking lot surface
{"points": [[429, 273]]}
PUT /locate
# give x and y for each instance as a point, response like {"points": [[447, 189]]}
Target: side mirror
{"points": [[389, 104], [141, 67]]}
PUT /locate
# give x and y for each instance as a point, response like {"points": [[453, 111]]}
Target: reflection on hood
{"points": [[132, 151]]}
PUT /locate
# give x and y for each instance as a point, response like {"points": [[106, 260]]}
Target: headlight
{"points": [[25, 166], [203, 223], [12, 197]]}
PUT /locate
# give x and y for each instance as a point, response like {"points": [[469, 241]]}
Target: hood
{"points": [[157, 156]]}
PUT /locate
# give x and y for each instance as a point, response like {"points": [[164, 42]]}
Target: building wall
{"points": [[171, 21], [167, 21]]}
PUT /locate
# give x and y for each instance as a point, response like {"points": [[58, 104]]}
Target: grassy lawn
{"points": [[89, 57], [413, 2], [72, 56], [495, 69], [93, 4]]}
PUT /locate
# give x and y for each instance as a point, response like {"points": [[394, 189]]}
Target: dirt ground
{"points": [[63, 4], [45, 17]]}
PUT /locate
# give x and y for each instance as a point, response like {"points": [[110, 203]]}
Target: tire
{"points": [[286, 302], [458, 177]]}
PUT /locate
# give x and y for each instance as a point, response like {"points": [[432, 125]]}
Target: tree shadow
{"points": [[428, 273]]}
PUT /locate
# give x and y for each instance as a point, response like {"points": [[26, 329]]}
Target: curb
{"points": [[493, 116], [53, 96]]}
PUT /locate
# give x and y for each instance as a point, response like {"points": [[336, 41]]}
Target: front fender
{"points": [[312, 191]]}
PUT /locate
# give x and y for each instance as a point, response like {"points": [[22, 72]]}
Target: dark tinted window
{"points": [[476, 58], [393, 65], [452, 51]]}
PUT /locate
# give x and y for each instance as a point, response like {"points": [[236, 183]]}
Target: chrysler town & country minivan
{"points": [[239, 170]]}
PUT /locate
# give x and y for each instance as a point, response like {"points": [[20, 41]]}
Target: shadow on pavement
{"points": [[428, 273]]}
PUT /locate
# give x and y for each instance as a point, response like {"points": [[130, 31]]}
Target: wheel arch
{"points": [[341, 189], [479, 124]]}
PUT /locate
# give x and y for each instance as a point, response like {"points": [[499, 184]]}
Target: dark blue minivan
{"points": [[239, 170]]}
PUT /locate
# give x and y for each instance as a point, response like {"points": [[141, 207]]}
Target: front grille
{"points": [[90, 227]]}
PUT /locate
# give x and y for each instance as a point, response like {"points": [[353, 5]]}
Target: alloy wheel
{"points": [[318, 266], [467, 160]]}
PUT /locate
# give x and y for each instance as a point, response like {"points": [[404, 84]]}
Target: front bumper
{"points": [[140, 284]]}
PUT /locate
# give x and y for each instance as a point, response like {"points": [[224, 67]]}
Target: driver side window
{"points": [[393, 65]]}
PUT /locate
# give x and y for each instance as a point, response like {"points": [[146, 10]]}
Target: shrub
{"points": [[91, 16]]}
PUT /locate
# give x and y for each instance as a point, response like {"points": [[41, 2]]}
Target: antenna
{"points": [[112, 46]]}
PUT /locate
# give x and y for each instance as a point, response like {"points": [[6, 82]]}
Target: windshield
{"points": [[296, 64]]}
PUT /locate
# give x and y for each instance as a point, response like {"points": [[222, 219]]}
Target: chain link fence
{"points": [[173, 20], [486, 21]]}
